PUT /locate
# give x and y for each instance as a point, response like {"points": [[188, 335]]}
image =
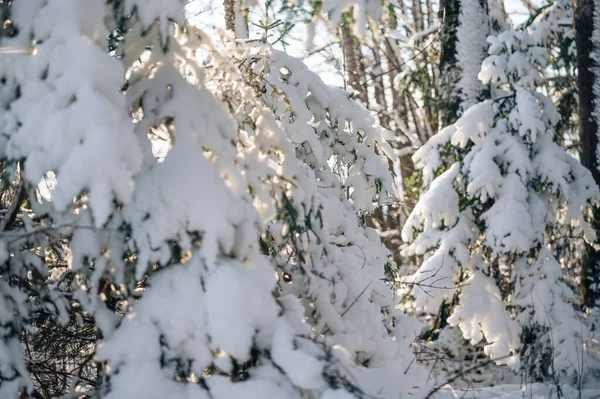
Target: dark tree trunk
{"points": [[449, 73], [355, 68], [588, 133], [417, 13], [376, 77], [454, 96], [229, 6]]}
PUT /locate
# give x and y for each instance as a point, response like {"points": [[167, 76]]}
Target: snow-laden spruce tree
{"points": [[210, 196], [26, 293], [486, 224]]}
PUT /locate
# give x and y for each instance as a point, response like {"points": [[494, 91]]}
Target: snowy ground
{"points": [[535, 391]]}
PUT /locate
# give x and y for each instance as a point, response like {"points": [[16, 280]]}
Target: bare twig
{"points": [[13, 209], [462, 373]]}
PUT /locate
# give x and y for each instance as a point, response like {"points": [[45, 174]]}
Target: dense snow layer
{"points": [[471, 50], [529, 391]]}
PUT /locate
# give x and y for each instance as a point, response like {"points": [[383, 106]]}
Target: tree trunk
{"points": [[229, 6], [449, 73], [355, 68], [463, 49], [236, 18], [376, 76], [394, 64], [498, 16], [417, 13], [587, 80]]}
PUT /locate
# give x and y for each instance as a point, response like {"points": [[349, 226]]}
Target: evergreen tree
{"points": [[486, 224], [209, 195]]}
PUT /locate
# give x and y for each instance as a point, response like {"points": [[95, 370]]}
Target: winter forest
{"points": [[299, 199]]}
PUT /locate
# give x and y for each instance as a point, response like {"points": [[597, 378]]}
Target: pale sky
{"points": [[209, 15]]}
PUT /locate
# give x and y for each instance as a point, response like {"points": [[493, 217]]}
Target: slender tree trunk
{"points": [[355, 68], [236, 18], [400, 115], [376, 76], [429, 13], [498, 16], [229, 6], [362, 74], [417, 13], [449, 73], [587, 82], [395, 68], [463, 49]]}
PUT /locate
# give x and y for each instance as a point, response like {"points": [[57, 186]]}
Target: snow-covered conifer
{"points": [[486, 224], [210, 195]]}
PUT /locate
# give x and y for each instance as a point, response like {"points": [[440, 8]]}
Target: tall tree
{"points": [[230, 248], [449, 101], [485, 224], [587, 38], [353, 61]]}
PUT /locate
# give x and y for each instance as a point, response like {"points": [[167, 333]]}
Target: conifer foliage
{"points": [[486, 224], [208, 198], [185, 211]]}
